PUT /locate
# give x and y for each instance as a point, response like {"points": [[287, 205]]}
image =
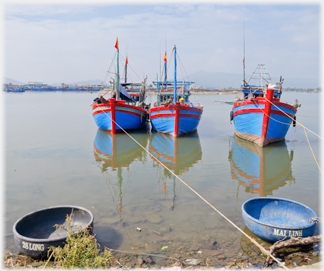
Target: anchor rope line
{"points": [[292, 118], [272, 117], [202, 198], [311, 148], [299, 125]]}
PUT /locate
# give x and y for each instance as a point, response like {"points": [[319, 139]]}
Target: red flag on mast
{"points": [[165, 57], [116, 45], [126, 62]]}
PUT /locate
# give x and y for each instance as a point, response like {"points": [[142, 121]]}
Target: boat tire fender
{"points": [[231, 115], [294, 121]]}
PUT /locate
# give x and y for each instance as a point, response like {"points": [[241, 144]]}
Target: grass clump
{"points": [[80, 251]]}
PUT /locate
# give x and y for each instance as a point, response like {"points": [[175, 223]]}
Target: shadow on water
{"points": [[260, 170], [108, 237]]}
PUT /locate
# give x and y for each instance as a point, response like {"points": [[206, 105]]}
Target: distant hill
{"points": [[227, 80], [7, 80]]}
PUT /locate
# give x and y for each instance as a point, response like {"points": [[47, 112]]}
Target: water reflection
{"points": [[177, 154], [115, 152], [260, 170]]}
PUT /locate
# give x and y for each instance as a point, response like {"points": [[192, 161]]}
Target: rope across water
{"points": [[299, 125], [263, 250]]}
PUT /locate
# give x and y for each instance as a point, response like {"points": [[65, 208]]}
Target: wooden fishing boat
{"points": [[122, 111], [275, 219], [260, 116], [260, 170], [173, 113], [13, 88]]}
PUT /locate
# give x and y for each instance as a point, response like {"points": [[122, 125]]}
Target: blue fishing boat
{"points": [[14, 88], [173, 113], [53, 88], [121, 111], [38, 86], [178, 154], [260, 116], [260, 170], [275, 219]]}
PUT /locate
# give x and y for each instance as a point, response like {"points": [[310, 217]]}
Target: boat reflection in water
{"points": [[118, 151], [260, 170], [178, 154]]}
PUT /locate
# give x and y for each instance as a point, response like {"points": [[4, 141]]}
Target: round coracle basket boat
{"points": [[35, 232], [275, 219]]}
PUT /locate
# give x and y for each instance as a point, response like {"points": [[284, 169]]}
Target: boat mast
{"points": [[165, 68], [117, 72], [126, 62], [244, 82], [175, 75]]}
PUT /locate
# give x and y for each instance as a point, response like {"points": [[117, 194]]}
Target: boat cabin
{"points": [[131, 93], [251, 91], [165, 92]]}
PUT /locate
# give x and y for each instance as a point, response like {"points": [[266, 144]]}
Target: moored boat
{"points": [[13, 88], [260, 116], [173, 113], [121, 111], [275, 219], [35, 233]]}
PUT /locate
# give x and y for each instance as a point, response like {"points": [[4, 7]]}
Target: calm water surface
{"points": [[55, 155]]}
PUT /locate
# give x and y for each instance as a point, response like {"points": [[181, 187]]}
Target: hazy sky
{"points": [[56, 43]]}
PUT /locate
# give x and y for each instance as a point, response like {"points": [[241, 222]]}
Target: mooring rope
{"points": [[299, 125], [310, 147], [202, 198], [292, 118]]}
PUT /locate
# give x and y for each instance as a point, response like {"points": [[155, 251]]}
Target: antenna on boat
{"points": [[117, 73], [175, 75], [126, 62], [165, 63], [244, 82]]}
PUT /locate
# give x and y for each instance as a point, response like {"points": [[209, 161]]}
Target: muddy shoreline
{"points": [[202, 254]]}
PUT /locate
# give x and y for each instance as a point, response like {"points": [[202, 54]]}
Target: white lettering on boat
{"points": [[30, 246], [287, 233]]}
